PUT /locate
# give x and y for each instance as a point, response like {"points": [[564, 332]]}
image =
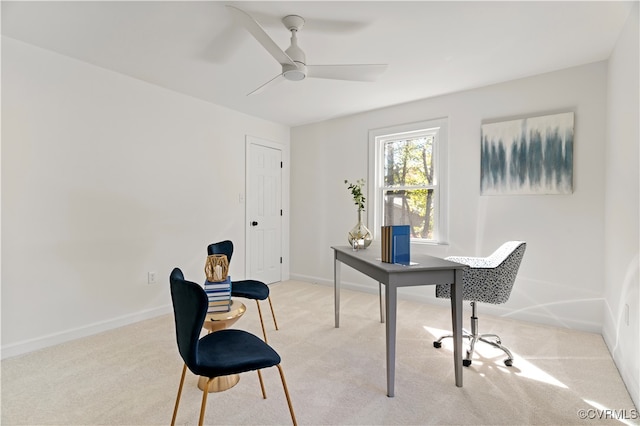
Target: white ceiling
{"points": [[432, 48]]}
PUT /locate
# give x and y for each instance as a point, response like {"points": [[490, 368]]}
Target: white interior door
{"points": [[264, 210]]}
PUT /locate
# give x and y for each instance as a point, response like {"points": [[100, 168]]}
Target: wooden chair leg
{"points": [[205, 393], [272, 313], [175, 409], [286, 393], [264, 394], [264, 332]]}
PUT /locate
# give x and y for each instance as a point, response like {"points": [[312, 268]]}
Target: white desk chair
{"points": [[488, 280]]}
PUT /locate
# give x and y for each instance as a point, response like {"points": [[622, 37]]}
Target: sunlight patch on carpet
{"points": [[522, 367]]}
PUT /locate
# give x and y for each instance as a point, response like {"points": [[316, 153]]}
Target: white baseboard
{"points": [[30, 345], [624, 362], [35, 344], [410, 293]]}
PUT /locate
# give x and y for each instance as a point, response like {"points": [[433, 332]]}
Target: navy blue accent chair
{"points": [[248, 289], [220, 353]]}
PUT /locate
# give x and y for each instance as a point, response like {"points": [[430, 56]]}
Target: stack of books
{"points": [[219, 294], [396, 244]]}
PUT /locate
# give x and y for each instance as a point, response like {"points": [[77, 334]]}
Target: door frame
{"points": [[284, 202]]}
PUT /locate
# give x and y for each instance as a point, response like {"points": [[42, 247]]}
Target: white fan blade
{"points": [[275, 80], [334, 26], [363, 72], [318, 25], [251, 25]]}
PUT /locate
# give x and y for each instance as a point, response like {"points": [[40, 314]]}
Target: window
{"points": [[407, 176]]}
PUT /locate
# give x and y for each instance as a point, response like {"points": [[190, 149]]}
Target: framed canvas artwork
{"points": [[531, 155]]}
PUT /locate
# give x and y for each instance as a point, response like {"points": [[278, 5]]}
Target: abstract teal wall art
{"points": [[531, 155]]}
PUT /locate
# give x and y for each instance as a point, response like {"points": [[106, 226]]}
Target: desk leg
{"points": [[336, 287], [391, 293], [456, 320], [381, 302]]}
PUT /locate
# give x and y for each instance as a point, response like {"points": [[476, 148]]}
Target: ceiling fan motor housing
{"points": [[298, 71]]}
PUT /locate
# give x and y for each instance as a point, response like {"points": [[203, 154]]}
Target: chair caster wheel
{"points": [[437, 344], [508, 362], [466, 362]]}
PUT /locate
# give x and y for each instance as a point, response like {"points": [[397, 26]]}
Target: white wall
{"points": [[561, 280], [105, 178], [622, 205]]}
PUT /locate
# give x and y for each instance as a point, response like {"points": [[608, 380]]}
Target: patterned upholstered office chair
{"points": [[488, 280], [248, 289], [217, 354]]}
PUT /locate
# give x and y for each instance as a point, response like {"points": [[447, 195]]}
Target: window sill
{"points": [[429, 243]]}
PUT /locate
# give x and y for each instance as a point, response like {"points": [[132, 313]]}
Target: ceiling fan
{"points": [[293, 60]]}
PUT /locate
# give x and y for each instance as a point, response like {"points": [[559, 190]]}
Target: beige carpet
{"points": [[130, 376]]}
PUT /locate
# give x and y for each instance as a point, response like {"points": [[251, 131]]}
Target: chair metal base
{"points": [[474, 337]]}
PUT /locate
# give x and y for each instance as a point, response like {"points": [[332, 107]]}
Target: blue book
{"points": [[226, 284], [401, 244]]}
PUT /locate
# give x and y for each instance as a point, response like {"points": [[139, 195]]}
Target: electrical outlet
{"points": [[151, 278], [626, 313]]}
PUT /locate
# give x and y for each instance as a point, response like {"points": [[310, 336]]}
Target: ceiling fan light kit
{"points": [[293, 60], [294, 72]]}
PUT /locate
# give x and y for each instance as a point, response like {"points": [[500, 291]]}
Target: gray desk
{"points": [[429, 270]]}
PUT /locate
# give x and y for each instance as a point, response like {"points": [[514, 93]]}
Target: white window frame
{"points": [[439, 129]]}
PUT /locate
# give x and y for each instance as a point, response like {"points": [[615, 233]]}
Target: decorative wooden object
{"points": [[216, 268]]}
